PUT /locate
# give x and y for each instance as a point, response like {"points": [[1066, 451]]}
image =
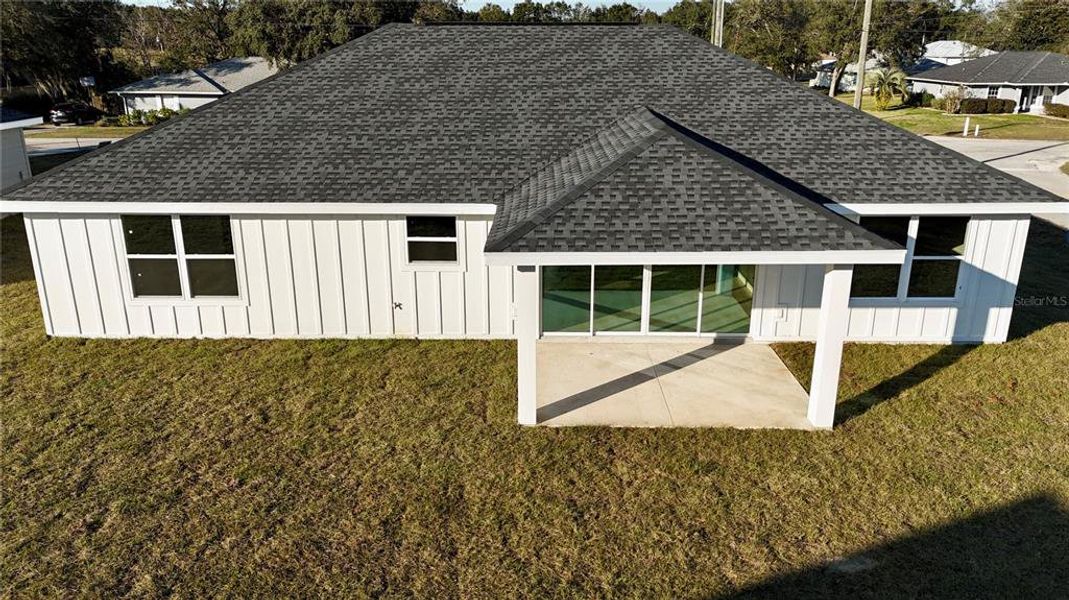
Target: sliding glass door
{"points": [[654, 299]]}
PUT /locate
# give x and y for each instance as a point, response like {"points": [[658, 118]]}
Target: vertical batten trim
{"points": [[70, 278], [318, 289], [292, 281], [339, 277], [93, 272], [267, 280]]}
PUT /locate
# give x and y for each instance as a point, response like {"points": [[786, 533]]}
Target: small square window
{"points": [[155, 277], [207, 235], [895, 229], [992, 92], [875, 281], [431, 239], [941, 236], [934, 278], [148, 234]]}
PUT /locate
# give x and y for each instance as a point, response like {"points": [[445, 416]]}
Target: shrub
{"points": [[109, 121], [165, 113], [952, 100], [939, 103], [923, 99], [973, 106], [1056, 110]]}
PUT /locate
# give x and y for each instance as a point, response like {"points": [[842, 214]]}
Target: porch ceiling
{"points": [[654, 383]]}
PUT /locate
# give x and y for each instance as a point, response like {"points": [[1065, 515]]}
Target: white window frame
{"points": [[902, 297], [460, 264], [644, 330], [183, 272], [992, 92]]}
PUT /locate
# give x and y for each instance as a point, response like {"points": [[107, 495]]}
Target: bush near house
{"points": [[1056, 110], [922, 99], [976, 106], [141, 117]]}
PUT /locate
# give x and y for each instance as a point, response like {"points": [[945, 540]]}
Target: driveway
{"points": [[1036, 161], [50, 145]]}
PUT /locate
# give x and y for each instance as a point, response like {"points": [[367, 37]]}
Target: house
{"points": [[848, 79], [538, 183], [1031, 79], [16, 165], [952, 52], [195, 87]]}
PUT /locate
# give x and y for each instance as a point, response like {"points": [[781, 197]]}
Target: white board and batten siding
{"points": [[300, 277], [787, 297]]}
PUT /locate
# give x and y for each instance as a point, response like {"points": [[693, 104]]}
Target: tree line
{"points": [[51, 44]]}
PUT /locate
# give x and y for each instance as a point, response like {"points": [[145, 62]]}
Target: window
{"points": [[431, 239], [934, 250], [180, 257], [992, 92], [937, 256], [880, 281], [627, 299]]}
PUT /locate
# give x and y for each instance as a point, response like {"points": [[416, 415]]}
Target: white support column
{"points": [[527, 310], [831, 332]]}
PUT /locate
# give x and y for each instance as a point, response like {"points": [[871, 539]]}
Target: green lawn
{"points": [[80, 131], [154, 468], [927, 121]]}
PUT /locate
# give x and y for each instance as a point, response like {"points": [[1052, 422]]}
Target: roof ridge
{"points": [[997, 58], [1039, 60], [212, 82], [768, 177], [513, 233]]}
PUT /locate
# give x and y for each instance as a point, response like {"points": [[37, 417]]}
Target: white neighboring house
{"points": [[1031, 79], [952, 52], [673, 190], [195, 87], [16, 165]]}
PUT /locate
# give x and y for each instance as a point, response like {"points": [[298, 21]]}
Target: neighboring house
{"points": [[16, 165], [847, 81], [952, 52], [1031, 79], [528, 182], [195, 87]]}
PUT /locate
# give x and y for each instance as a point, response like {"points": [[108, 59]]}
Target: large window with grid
{"points": [[180, 257], [935, 249]]}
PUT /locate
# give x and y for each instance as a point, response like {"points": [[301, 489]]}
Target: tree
{"points": [[772, 33], [694, 17], [492, 13], [887, 84], [289, 32], [202, 32], [900, 29], [1031, 25], [617, 13], [834, 29], [53, 43]]}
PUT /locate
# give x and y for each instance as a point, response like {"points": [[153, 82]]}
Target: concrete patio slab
{"points": [[666, 384]]}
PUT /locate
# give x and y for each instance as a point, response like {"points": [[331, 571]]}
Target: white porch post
{"points": [[526, 306], [831, 331]]}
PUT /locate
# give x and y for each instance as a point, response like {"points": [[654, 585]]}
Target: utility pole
{"points": [[863, 54], [716, 34]]}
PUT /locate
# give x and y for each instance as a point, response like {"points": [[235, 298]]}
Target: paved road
{"points": [[47, 145], [1035, 161]]}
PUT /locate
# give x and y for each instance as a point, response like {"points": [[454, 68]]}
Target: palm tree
{"points": [[885, 85]]}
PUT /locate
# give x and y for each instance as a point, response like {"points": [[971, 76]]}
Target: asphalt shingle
{"points": [[1014, 67]]}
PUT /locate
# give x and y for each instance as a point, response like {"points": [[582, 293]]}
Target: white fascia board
{"points": [[802, 257], [247, 208], [951, 208], [22, 123], [164, 92]]}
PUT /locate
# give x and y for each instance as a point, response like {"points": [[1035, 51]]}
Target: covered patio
{"points": [[666, 383]]}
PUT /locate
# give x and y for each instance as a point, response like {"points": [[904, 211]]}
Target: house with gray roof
{"points": [[195, 87], [1031, 79], [560, 186]]}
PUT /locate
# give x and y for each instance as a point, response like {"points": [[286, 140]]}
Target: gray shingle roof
{"points": [[220, 78], [464, 113], [637, 185], [1018, 67]]}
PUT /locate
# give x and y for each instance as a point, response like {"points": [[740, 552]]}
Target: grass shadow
{"points": [[15, 263], [1020, 550], [1043, 288]]}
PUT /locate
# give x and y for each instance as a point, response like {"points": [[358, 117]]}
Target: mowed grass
{"points": [[928, 121], [82, 131], [151, 468]]}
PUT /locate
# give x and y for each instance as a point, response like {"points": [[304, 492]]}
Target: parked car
{"points": [[74, 112]]}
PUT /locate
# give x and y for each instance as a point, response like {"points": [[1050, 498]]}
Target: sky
{"points": [[657, 6]]}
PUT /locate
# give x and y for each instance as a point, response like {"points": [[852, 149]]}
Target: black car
{"points": [[74, 112]]}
